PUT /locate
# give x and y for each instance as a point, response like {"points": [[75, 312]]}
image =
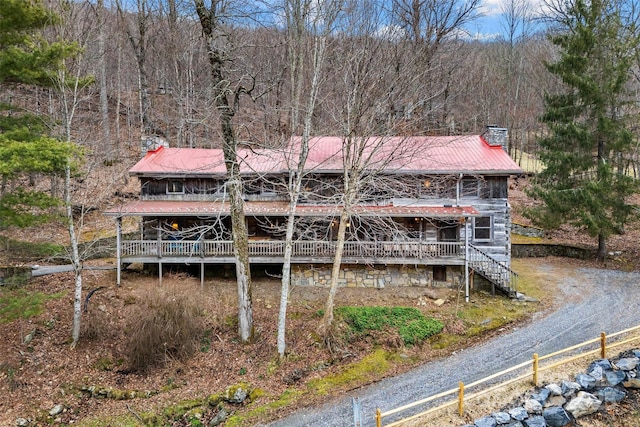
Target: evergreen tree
{"points": [[26, 58], [585, 150]]}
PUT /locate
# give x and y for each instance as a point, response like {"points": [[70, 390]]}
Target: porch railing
{"points": [[497, 273], [275, 248]]}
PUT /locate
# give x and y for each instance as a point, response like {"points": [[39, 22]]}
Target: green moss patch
{"points": [[21, 304], [412, 326], [371, 366], [26, 251]]}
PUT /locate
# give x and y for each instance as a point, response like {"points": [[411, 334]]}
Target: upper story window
{"points": [[483, 229], [437, 187], [469, 187], [175, 187]]}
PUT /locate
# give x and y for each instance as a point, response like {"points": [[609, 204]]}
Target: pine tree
{"points": [[26, 58], [586, 148]]}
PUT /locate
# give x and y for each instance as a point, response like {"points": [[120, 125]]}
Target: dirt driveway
{"points": [[588, 302]]}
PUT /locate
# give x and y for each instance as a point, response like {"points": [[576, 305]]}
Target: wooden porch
{"points": [[272, 251]]}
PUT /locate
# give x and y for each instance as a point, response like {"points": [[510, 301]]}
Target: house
{"points": [[429, 211]]}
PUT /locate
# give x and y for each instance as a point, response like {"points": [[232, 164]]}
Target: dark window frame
{"points": [[175, 186], [439, 273], [469, 187], [483, 232]]}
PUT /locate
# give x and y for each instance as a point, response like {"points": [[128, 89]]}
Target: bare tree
{"points": [[137, 27], [226, 99], [364, 78], [110, 153], [319, 16], [69, 85], [427, 29]]}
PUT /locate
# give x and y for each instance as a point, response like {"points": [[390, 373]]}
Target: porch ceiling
{"points": [[199, 208]]}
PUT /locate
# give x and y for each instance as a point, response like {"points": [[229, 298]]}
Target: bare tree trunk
{"points": [[75, 260], [327, 318], [209, 21], [109, 153], [138, 41], [297, 13]]}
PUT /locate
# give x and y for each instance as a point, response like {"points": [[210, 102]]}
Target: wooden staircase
{"points": [[501, 276]]}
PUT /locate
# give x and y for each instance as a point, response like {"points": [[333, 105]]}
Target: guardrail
{"points": [[534, 363], [270, 248]]}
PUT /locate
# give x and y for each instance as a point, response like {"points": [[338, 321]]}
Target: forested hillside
{"points": [[421, 73]]}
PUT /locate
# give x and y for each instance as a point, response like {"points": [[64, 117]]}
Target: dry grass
{"points": [[168, 325]]}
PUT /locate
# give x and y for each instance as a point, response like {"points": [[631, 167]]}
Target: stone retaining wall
{"points": [[375, 277], [526, 230], [528, 250]]}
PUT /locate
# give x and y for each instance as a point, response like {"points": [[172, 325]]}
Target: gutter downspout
{"points": [[118, 249], [466, 259]]}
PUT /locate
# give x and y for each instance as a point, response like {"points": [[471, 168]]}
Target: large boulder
{"points": [[541, 396], [627, 363], [610, 394], [583, 404], [556, 416], [535, 421], [519, 413], [236, 393], [603, 363], [613, 378], [555, 401], [570, 388], [587, 382], [501, 417], [532, 406], [596, 371], [485, 422], [554, 389]]}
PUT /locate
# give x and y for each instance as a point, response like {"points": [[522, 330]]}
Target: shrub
{"points": [[412, 326], [167, 326]]}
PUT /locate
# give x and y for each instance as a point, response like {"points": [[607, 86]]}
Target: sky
{"points": [[491, 25]]}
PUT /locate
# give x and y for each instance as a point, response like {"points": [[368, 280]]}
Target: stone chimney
{"points": [[496, 136], [151, 143]]}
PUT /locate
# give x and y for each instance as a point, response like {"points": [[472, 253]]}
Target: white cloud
{"points": [[495, 7]]}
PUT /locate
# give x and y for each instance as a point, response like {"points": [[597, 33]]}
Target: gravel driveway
{"points": [[590, 301]]}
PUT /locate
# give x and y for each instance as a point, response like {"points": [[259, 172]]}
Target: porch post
{"points": [[159, 243], [466, 259], [118, 249], [202, 274]]}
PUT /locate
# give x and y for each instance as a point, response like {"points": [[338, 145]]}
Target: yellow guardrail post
{"points": [[378, 418], [603, 345], [535, 369], [461, 398]]}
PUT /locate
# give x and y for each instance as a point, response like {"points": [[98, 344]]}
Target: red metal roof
{"points": [[437, 155], [188, 208]]}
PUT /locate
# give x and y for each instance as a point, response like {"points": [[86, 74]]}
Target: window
{"points": [[439, 273], [483, 228], [175, 187], [469, 187], [448, 234]]}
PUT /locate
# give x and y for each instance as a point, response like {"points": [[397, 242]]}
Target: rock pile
{"points": [[558, 405]]}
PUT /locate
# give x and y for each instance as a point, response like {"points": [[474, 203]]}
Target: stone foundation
{"points": [[375, 276]]}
